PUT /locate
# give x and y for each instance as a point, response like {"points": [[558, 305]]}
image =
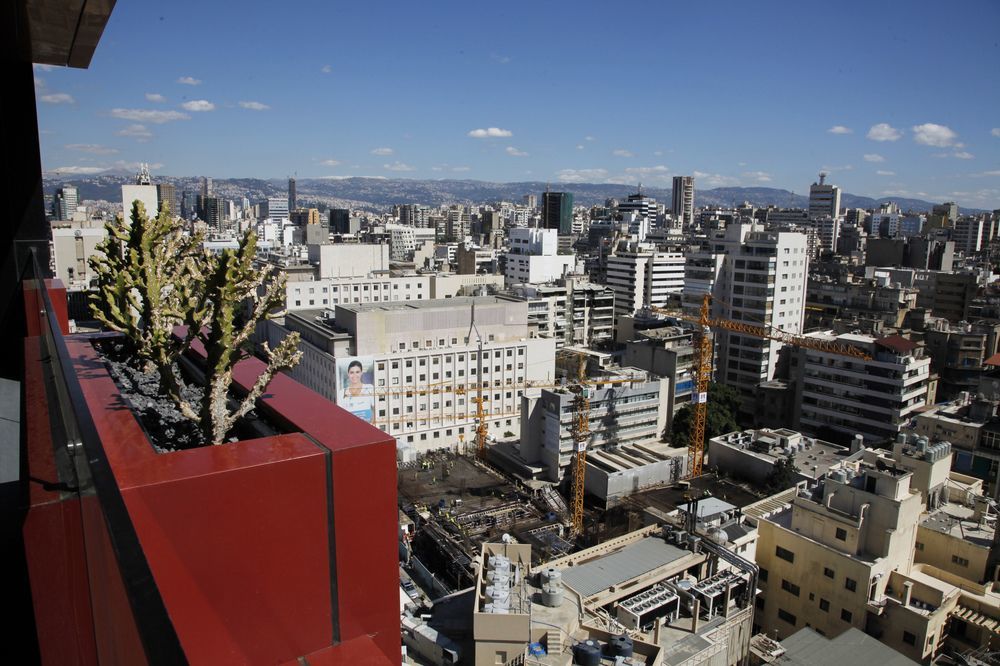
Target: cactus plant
{"points": [[148, 284], [153, 278], [238, 295]]}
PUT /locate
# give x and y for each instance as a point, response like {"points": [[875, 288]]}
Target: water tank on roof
{"points": [[620, 646], [552, 595], [587, 653], [922, 444]]}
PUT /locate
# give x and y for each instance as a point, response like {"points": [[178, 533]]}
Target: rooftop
{"points": [[621, 566], [960, 522], [429, 304], [808, 648]]}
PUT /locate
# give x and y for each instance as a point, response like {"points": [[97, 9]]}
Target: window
{"points": [[786, 555], [851, 584], [841, 534], [845, 615], [909, 638], [763, 574], [824, 605], [759, 603], [828, 572], [918, 546], [960, 561], [791, 588], [786, 616]]}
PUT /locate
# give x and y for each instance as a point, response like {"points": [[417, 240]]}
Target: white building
{"points": [[71, 252], [382, 288], [682, 200], [275, 208], [571, 311], [424, 365], [534, 257], [762, 281], [643, 276], [144, 193], [404, 240], [875, 398], [349, 259], [824, 200]]}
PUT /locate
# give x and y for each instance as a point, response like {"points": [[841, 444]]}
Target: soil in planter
{"points": [[164, 425]]}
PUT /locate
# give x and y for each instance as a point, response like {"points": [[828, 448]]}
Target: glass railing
{"points": [[83, 471]]}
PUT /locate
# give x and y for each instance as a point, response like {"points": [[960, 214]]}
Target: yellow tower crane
{"points": [[581, 438], [703, 365]]}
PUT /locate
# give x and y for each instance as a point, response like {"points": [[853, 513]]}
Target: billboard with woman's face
{"points": [[355, 386]]}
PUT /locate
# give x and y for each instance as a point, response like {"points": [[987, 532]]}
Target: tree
{"points": [[784, 475], [720, 417]]}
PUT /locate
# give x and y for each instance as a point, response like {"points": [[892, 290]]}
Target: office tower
{"points": [[968, 233], [212, 211], [824, 200], [762, 281], [530, 201], [304, 216], [206, 187], [274, 208], [557, 211], [639, 204], [65, 203], [682, 202], [166, 194], [292, 197], [340, 221], [189, 205]]}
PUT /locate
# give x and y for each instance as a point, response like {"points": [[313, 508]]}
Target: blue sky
{"points": [[893, 99]]}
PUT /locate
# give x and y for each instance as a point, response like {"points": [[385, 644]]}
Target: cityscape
{"points": [[513, 393]]}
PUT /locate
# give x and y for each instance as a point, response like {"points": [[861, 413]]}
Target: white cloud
{"points": [[43, 68], [382, 152], [502, 59], [621, 152], [715, 179], [880, 172], [255, 106], [579, 146], [155, 97], [995, 131], [461, 169], [757, 176], [58, 98], [995, 172], [963, 155], [514, 152], [92, 148], [138, 132], [79, 170], [330, 163], [884, 132], [397, 166], [840, 129], [189, 81], [39, 83], [831, 168], [198, 105], [651, 170], [122, 165], [874, 157], [589, 138], [149, 115], [932, 134], [581, 175], [658, 153], [490, 133], [326, 69]]}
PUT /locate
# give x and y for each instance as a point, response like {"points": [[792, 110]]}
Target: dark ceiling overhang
{"points": [[65, 32]]}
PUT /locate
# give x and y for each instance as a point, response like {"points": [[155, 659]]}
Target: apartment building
{"points": [[572, 311], [420, 363], [534, 257], [645, 275]]}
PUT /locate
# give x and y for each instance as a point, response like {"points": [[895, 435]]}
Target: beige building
{"points": [[879, 546]]}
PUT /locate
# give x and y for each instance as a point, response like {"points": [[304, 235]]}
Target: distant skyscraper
{"points": [[682, 201], [206, 187], [640, 204], [340, 221], [293, 202], [275, 208], [824, 200], [189, 205], [531, 201], [557, 211], [65, 203], [166, 195], [212, 211]]}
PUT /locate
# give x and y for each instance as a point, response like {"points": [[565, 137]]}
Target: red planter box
{"points": [[263, 550]]}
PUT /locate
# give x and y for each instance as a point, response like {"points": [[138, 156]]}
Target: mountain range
{"points": [[378, 194]]}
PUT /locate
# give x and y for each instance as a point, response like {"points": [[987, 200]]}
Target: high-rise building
{"points": [[761, 281], [166, 195], [206, 186], [530, 201], [534, 257], [682, 200], [639, 204], [189, 205], [643, 275], [65, 202], [949, 209], [293, 201], [274, 208], [211, 210], [304, 216], [968, 233], [557, 211], [824, 200], [142, 191], [340, 221]]}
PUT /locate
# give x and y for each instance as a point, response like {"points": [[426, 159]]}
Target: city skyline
{"points": [[536, 94]]}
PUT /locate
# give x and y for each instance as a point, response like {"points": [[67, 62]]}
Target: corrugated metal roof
{"points": [[624, 565]]}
